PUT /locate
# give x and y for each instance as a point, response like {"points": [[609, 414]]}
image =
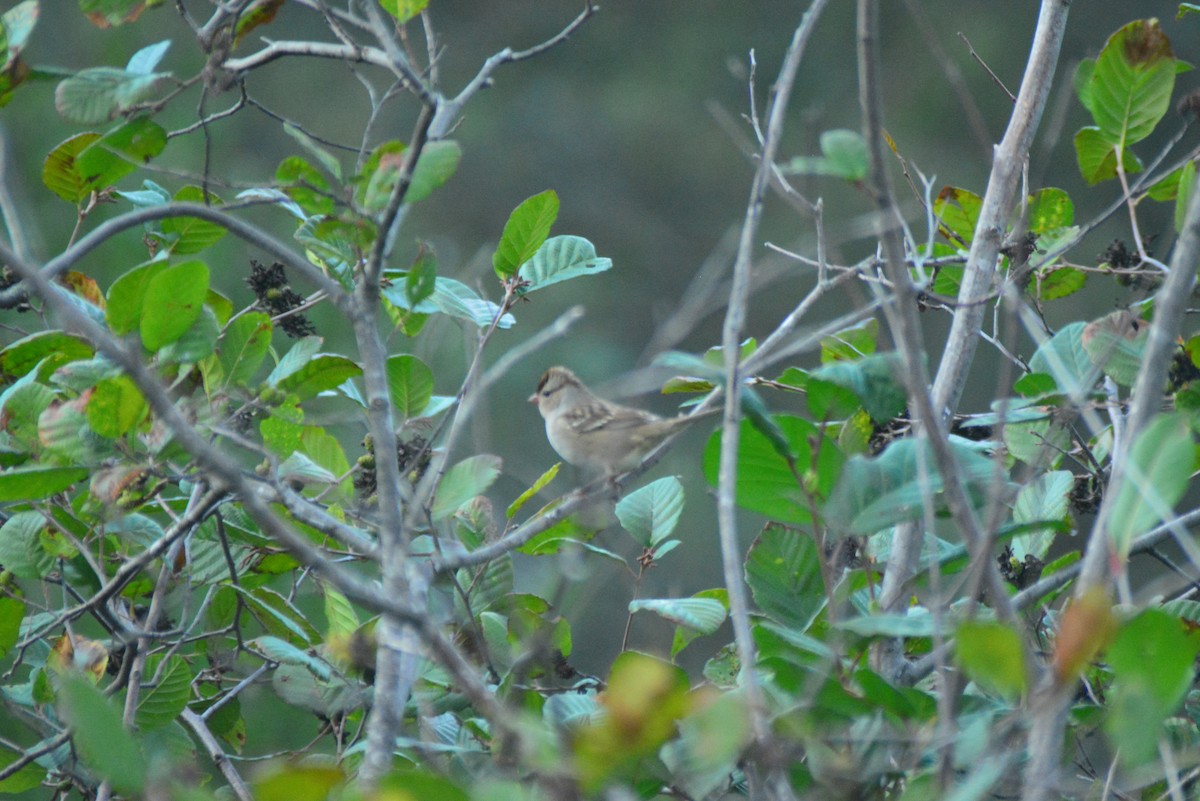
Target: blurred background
{"points": [[639, 123]]}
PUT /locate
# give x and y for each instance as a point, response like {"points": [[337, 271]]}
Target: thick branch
{"points": [[1011, 157]]}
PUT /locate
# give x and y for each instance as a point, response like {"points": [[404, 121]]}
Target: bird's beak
{"points": [[533, 399]]}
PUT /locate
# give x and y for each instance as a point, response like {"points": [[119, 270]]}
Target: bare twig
{"points": [[731, 557]]}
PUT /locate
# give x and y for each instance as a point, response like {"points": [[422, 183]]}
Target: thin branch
{"points": [[34, 754], [1095, 569], [906, 332], [979, 60], [731, 557], [450, 109], [198, 726], [1170, 303]]}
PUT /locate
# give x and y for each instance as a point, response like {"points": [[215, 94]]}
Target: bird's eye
{"points": [[545, 393]]}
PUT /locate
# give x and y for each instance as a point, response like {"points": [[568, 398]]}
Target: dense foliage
{"points": [[191, 544]]}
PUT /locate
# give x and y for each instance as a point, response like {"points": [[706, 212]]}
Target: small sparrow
{"points": [[590, 432]]}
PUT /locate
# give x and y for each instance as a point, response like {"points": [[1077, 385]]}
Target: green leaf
{"points": [[1152, 663], [470, 477], [1129, 89], [993, 656], [1059, 282], [844, 155], [1097, 156], [1187, 189], [379, 175], [414, 784], [186, 235], [24, 779], [851, 343], [119, 152], [21, 550], [12, 612], [339, 612], [127, 295], [874, 493], [1158, 467], [195, 344], [255, 15], [645, 698], [173, 300], [243, 347], [1036, 434], [1050, 208], [543, 480], [111, 13], [1064, 359], [36, 483], [526, 230], [1116, 344], [304, 184], [1167, 187], [783, 573], [279, 616], [873, 381], [765, 481], [685, 635], [1033, 385], [404, 10], [301, 353], [315, 149], [411, 384], [703, 615], [144, 61], [453, 298], [561, 258], [917, 622], [46, 348], [298, 467], [166, 696], [958, 211], [1046, 498], [101, 94], [116, 407], [321, 373], [100, 739], [651, 513], [16, 25], [421, 280], [325, 450], [150, 196], [298, 687], [438, 162], [278, 650], [60, 173]]}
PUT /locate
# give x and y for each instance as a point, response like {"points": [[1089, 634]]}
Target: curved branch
{"points": [[451, 108], [250, 233]]}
